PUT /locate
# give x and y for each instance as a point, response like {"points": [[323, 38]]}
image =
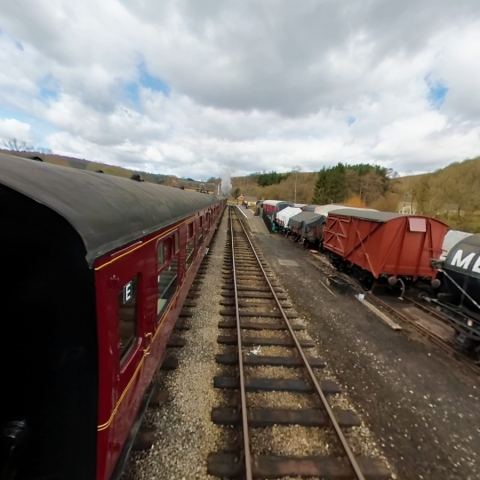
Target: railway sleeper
{"points": [[253, 264], [176, 342], [243, 272], [264, 341], [189, 304], [144, 439], [170, 363], [182, 325], [257, 384], [259, 303], [268, 360], [253, 288], [247, 276], [269, 296], [268, 417], [247, 325], [231, 465], [230, 312]]}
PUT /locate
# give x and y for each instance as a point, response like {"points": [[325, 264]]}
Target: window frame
{"points": [[126, 353], [169, 246]]}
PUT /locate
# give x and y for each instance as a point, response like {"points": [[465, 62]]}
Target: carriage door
{"points": [[133, 338]]}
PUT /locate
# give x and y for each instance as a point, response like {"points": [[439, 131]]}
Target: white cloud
{"points": [[11, 129], [253, 85]]}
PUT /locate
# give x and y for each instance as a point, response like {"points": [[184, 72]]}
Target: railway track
{"points": [[399, 312], [440, 341], [259, 318]]}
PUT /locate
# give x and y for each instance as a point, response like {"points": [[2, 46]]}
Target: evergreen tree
{"points": [[337, 184], [320, 196]]}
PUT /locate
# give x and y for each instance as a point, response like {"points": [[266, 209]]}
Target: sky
{"points": [[196, 88]]}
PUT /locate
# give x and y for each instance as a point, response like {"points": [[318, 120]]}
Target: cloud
{"points": [[10, 129], [186, 87]]}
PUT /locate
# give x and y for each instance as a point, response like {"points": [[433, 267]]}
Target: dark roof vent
{"points": [[99, 171], [37, 159], [137, 177]]}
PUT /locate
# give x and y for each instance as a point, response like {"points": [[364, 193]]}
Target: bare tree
{"points": [[18, 145], [295, 170]]}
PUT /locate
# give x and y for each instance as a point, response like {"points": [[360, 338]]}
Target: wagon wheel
{"points": [[367, 282]]}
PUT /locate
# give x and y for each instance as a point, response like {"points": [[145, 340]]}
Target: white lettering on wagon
{"points": [[476, 266], [458, 261], [127, 292]]}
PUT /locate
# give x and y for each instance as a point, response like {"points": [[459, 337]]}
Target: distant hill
{"points": [[451, 193], [93, 166], [82, 164]]}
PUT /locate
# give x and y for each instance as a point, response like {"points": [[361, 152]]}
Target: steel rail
{"points": [[243, 396], [351, 457], [432, 336]]}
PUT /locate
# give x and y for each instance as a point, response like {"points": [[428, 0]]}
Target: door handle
{"points": [[148, 336]]}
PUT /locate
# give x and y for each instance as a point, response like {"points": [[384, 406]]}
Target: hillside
{"points": [[93, 166], [451, 194]]}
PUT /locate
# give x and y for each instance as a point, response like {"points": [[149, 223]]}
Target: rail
{"points": [[341, 437], [243, 395]]}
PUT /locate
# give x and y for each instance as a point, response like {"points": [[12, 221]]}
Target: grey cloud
{"points": [[266, 84]]}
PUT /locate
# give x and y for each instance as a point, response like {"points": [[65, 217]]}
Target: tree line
{"points": [[342, 182], [451, 194], [271, 178]]}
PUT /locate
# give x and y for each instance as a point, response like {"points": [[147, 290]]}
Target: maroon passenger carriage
{"points": [[95, 271]]}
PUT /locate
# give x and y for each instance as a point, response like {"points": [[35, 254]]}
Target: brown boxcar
{"points": [[385, 244]]}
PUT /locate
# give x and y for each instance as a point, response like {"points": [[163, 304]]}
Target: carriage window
{"points": [[165, 250], [190, 230], [190, 252], [177, 244], [127, 315], [160, 259], [167, 284]]}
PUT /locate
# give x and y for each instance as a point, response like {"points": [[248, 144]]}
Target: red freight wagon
{"points": [[100, 269], [384, 244]]}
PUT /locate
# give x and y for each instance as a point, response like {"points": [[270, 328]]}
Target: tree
{"points": [[320, 195], [295, 170], [272, 178], [422, 194], [236, 193], [337, 184], [355, 201], [18, 145]]}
